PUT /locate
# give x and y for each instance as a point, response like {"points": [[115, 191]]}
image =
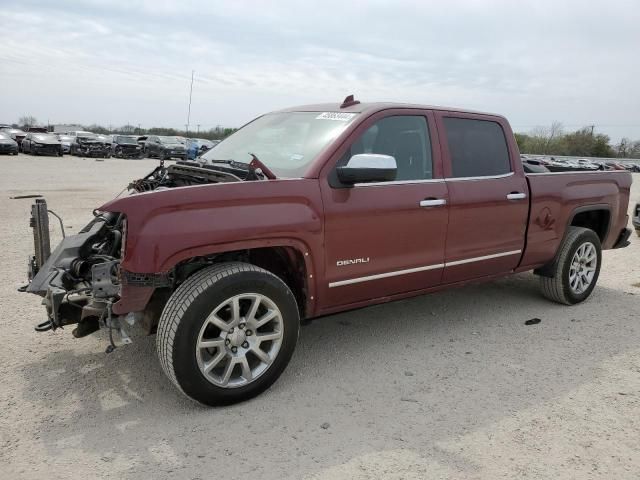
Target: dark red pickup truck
{"points": [[315, 210]]}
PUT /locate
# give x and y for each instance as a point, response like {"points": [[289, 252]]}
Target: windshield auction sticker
{"points": [[339, 116]]}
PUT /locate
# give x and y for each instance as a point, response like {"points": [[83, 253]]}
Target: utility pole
{"points": [[198, 132], [592, 127], [139, 131], [190, 94]]}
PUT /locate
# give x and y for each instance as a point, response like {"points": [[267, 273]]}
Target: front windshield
{"points": [[170, 140], [4, 136], [285, 142], [127, 140]]}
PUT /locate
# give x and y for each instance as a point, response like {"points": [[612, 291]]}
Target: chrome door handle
{"points": [[516, 196], [433, 203]]}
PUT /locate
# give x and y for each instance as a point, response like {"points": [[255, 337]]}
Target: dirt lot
{"points": [[451, 385]]}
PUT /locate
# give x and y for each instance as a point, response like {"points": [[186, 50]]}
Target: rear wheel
{"points": [[577, 268], [227, 333]]}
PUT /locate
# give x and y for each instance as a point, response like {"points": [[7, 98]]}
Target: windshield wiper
{"points": [[255, 167]]}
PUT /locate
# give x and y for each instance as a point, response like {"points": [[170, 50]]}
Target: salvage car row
{"points": [[539, 163], [89, 144]]}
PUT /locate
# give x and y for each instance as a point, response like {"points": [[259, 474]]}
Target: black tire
{"points": [[558, 287], [184, 317]]}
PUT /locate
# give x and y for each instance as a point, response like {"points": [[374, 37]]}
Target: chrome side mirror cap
{"points": [[368, 167]]}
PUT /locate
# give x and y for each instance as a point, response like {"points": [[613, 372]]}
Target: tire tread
{"points": [[179, 302], [553, 288]]}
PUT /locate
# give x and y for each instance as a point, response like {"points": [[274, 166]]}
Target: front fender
{"points": [[169, 226]]}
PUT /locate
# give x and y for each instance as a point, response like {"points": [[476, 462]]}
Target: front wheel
{"points": [[577, 268], [227, 333]]}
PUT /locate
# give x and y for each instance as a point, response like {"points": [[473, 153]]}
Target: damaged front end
{"points": [[79, 281], [91, 147], [82, 278]]}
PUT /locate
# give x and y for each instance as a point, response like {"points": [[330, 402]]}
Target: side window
{"points": [[404, 137], [478, 148]]}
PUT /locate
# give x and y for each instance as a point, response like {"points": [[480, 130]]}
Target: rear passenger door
{"points": [[487, 196]]}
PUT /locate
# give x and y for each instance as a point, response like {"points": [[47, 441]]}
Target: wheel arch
{"points": [[586, 216], [288, 259], [593, 217]]}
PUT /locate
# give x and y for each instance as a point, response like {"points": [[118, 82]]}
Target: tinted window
{"points": [[406, 138], [478, 147]]}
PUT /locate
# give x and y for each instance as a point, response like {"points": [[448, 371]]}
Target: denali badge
{"points": [[351, 261]]}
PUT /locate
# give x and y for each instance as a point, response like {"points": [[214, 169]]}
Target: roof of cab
{"points": [[376, 107]]}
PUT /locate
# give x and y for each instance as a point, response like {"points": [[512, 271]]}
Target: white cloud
{"points": [[119, 61]]}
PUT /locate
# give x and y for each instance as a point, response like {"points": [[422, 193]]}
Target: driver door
{"points": [[386, 238]]}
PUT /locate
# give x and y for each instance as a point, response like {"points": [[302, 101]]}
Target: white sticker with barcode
{"points": [[339, 116]]}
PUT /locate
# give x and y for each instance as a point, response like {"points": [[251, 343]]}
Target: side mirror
{"points": [[368, 167]]}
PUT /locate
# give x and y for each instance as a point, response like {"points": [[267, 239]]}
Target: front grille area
{"points": [[5, 147], [47, 149]]}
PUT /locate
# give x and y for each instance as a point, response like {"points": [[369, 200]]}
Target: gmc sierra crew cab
{"points": [[314, 210]]}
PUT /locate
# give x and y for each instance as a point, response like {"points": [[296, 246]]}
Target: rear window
{"points": [[478, 147]]}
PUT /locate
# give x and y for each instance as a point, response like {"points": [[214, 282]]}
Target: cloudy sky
{"points": [[129, 61]]}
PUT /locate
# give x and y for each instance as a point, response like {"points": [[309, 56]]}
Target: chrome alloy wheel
{"points": [[239, 340], [583, 267]]}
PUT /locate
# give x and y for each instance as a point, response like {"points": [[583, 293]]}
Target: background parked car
{"points": [[37, 130], [142, 141], [125, 146], [197, 146], [42, 144], [105, 139], [165, 147], [533, 165], [16, 134], [65, 141], [7, 144], [87, 144]]}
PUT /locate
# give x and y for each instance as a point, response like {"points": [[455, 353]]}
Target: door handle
{"points": [[433, 202], [516, 196]]}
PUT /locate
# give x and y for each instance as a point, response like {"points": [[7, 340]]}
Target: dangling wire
{"points": [[59, 219]]}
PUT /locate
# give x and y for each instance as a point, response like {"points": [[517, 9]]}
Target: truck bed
{"points": [[556, 197]]}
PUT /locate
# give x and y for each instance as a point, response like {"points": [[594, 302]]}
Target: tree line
{"points": [[217, 133], [553, 140]]}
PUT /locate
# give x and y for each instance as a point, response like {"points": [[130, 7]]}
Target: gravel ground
{"points": [[450, 385]]}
